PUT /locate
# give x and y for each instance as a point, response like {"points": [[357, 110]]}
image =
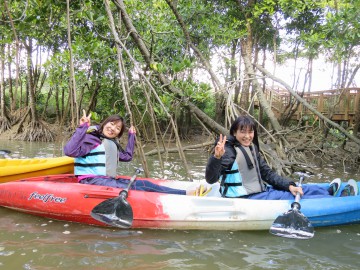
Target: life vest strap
{"points": [[247, 158], [231, 171], [233, 184], [95, 153], [89, 165]]}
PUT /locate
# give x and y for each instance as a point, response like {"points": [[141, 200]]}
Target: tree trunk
{"points": [[13, 96], [73, 100], [57, 105], [47, 102], [245, 91], [35, 130], [260, 95], [11, 93], [92, 102], [4, 120], [237, 75], [30, 82], [352, 77]]}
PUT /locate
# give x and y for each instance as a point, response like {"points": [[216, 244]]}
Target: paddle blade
{"points": [[292, 224], [116, 212]]}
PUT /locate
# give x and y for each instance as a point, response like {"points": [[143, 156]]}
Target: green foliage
{"points": [[209, 107], [158, 67], [214, 26], [342, 30], [324, 26], [199, 93], [179, 66], [96, 118]]}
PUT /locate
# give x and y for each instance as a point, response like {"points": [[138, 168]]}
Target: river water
{"points": [[29, 242]]}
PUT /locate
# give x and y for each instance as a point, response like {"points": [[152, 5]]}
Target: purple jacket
{"points": [[81, 143]]}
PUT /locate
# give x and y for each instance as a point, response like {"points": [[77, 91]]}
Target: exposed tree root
{"points": [[4, 124], [308, 145], [35, 131], [18, 115]]}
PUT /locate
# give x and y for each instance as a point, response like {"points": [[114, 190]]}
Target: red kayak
{"points": [[61, 197]]}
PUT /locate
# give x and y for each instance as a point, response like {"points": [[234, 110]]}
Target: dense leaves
{"points": [[220, 30]]}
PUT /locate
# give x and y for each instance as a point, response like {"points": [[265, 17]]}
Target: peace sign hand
{"points": [[220, 147], [85, 119]]}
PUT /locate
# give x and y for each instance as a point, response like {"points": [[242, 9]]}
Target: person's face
{"points": [[112, 129], [245, 136]]}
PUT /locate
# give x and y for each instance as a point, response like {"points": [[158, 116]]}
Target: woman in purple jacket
{"points": [[97, 154]]}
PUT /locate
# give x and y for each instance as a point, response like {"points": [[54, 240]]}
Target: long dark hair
{"points": [[245, 122], [113, 118]]}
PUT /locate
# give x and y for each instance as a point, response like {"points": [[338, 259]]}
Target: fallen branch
{"points": [[176, 150]]}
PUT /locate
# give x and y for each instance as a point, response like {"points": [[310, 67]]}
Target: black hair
{"points": [[113, 118], [245, 122]]}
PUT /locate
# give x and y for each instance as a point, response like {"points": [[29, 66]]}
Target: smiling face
{"points": [[245, 136], [112, 129], [244, 130]]}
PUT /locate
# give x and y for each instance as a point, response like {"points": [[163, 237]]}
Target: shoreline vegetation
{"points": [[304, 148]]}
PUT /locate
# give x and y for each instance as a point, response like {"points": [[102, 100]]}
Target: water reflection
{"points": [[36, 243], [29, 242], [21, 149]]}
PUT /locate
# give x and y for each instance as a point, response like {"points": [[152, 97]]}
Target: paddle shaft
{"points": [[296, 205], [116, 211], [132, 179]]}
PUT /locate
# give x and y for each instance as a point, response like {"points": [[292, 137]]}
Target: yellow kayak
{"points": [[14, 169]]}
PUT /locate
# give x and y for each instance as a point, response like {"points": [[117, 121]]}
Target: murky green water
{"points": [[28, 242]]}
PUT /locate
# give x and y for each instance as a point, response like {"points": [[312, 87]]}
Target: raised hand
{"points": [[220, 147], [132, 130], [85, 119]]}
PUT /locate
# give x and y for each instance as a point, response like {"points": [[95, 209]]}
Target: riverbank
{"points": [[306, 148]]}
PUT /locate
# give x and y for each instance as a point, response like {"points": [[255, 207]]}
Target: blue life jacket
{"points": [[231, 183], [94, 163], [102, 160], [244, 177]]}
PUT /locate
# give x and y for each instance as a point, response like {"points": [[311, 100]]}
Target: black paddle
{"points": [[293, 224], [116, 212]]}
